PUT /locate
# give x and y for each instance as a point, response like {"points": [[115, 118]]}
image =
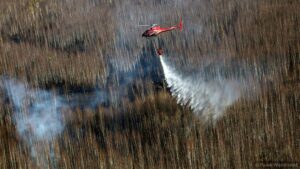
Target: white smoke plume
{"points": [[37, 117], [207, 98], [36, 112]]}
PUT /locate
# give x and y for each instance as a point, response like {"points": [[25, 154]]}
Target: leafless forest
{"points": [[81, 88]]}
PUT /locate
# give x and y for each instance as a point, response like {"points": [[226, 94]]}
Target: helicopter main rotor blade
{"points": [[143, 25], [148, 25]]}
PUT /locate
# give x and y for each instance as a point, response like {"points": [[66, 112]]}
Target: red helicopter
{"points": [[155, 29]]}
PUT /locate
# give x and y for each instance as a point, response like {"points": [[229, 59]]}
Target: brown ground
{"points": [[61, 42]]}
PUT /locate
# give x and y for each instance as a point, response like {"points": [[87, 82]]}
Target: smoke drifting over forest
{"points": [[81, 88], [37, 113]]}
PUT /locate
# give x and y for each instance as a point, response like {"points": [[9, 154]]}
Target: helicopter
{"points": [[155, 30]]}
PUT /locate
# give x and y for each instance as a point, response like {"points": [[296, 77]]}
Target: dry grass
{"points": [[153, 135], [67, 43]]}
